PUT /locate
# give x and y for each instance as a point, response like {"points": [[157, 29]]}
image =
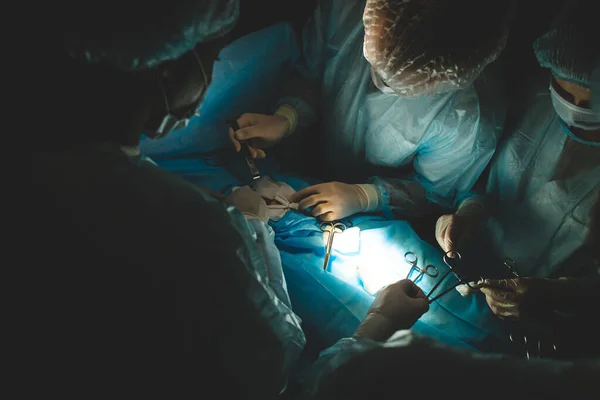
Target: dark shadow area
{"points": [[258, 14], [531, 20]]}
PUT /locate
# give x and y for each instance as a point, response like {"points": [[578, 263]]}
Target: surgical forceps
{"points": [[453, 271], [413, 260], [332, 228]]}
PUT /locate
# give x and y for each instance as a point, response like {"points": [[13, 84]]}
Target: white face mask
{"points": [[378, 82], [572, 115]]}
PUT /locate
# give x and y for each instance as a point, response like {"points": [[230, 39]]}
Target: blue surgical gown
{"points": [[246, 78], [415, 150], [543, 192]]}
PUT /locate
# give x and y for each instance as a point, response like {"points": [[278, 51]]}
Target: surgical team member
{"points": [[383, 360], [542, 195], [396, 86], [154, 289]]}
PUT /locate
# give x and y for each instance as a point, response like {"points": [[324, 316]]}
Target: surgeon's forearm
{"points": [[299, 103], [375, 327], [400, 198]]}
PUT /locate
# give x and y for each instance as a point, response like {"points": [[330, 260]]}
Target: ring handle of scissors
{"points": [[447, 258], [433, 274], [346, 222], [411, 258], [326, 226], [332, 225]]}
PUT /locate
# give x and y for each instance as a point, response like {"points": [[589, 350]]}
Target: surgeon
{"points": [[399, 89], [383, 360], [542, 195], [153, 288]]}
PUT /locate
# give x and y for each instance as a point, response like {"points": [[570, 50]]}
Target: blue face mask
{"points": [[572, 115]]}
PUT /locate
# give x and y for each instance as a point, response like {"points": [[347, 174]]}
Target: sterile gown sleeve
{"points": [[302, 91], [409, 359], [458, 146]]}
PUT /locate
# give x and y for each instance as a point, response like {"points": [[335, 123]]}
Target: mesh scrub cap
{"points": [[428, 47], [135, 34], [571, 47]]}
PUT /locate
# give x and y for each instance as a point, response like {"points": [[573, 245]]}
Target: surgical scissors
{"points": [[451, 269], [332, 228], [413, 260]]}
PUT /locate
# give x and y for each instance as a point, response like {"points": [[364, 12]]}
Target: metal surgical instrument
{"points": [[512, 267], [246, 151], [413, 260], [332, 228], [451, 269]]}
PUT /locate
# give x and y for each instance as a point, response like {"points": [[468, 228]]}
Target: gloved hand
{"points": [[397, 306], [512, 298], [261, 130], [332, 200], [249, 203], [454, 231]]}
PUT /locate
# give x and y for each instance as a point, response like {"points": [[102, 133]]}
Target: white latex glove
{"points": [[454, 231], [397, 306], [511, 298], [261, 131], [332, 200], [249, 203]]}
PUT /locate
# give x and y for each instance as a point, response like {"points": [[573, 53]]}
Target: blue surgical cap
{"points": [[569, 49], [136, 34]]}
